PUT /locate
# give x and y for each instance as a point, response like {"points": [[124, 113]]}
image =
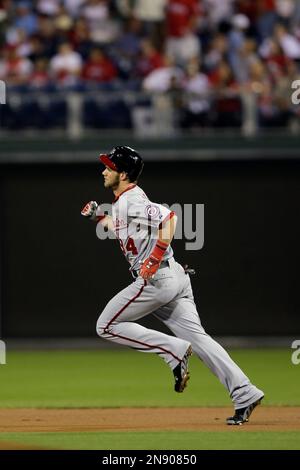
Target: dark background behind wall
{"points": [[57, 276]]}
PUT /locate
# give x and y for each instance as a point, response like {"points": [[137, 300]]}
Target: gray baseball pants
{"points": [[169, 297]]}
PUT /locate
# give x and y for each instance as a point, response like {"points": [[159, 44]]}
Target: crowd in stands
{"points": [[205, 53]]}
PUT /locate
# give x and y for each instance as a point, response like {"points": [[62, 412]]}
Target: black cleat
{"points": [[242, 415], [181, 372]]}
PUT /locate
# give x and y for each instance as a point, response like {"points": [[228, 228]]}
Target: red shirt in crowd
{"points": [[146, 64], [180, 16], [39, 79], [254, 8], [264, 6], [99, 70]]}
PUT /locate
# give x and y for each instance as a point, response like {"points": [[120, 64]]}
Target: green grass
{"points": [[182, 440], [127, 378], [51, 379]]}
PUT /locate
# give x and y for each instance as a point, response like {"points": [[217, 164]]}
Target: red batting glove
{"points": [[92, 211], [149, 267], [89, 210], [151, 264]]}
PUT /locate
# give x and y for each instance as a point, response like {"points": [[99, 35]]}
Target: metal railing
{"points": [[149, 115]]}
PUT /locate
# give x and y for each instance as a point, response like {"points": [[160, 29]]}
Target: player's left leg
{"points": [[181, 317], [117, 321]]}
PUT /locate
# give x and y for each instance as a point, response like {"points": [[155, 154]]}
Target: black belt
{"points": [[165, 264]]}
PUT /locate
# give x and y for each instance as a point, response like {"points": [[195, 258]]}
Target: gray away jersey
{"points": [[136, 223]]}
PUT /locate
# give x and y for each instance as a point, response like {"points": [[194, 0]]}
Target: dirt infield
{"points": [[16, 446], [144, 419]]}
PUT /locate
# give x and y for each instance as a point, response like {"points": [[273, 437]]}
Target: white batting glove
{"points": [[89, 210]]}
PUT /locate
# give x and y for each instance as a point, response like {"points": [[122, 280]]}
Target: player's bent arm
{"points": [[92, 210], [167, 231], [165, 236]]}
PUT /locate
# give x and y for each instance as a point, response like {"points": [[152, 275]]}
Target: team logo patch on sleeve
{"points": [[152, 211]]}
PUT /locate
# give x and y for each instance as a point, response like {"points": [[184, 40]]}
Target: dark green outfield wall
{"points": [[208, 145], [57, 276]]}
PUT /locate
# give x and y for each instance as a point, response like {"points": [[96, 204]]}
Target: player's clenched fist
{"points": [[90, 210], [151, 264], [149, 267]]}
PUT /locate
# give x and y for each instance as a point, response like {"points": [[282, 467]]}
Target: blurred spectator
{"points": [[148, 60], [259, 84], [197, 96], [128, 42], [65, 66], [63, 21], [285, 10], [289, 43], [33, 48], [39, 78], [296, 16], [163, 78], [73, 7], [14, 70], [248, 8], [227, 104], [217, 51], [218, 11], [152, 14], [259, 81], [98, 68], [48, 7], [275, 59], [48, 36], [79, 37], [124, 8], [25, 19], [236, 39], [125, 49], [266, 17], [102, 28], [21, 42], [4, 8], [244, 59], [182, 20]]}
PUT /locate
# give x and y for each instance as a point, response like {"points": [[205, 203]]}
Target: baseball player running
{"points": [[161, 286]]}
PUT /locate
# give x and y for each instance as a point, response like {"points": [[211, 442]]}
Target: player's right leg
{"points": [[181, 317], [117, 321]]}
